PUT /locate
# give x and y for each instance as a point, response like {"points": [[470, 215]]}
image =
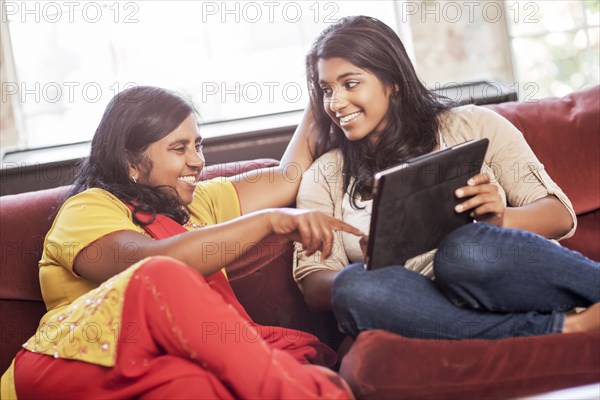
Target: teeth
{"points": [[191, 179], [349, 117]]}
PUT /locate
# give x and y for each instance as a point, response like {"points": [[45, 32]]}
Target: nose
{"points": [[338, 100], [196, 159]]}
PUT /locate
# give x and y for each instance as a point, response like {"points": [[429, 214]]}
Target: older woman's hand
{"points": [[314, 230]]}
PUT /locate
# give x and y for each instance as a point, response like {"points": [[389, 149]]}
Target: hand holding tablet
{"points": [[414, 203]]}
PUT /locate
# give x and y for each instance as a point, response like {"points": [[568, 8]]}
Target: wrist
{"points": [[508, 218], [268, 219]]}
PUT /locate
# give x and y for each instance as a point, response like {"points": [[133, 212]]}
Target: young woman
{"points": [[372, 112], [138, 303]]}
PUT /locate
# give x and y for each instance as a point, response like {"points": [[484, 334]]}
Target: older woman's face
{"points": [[175, 160]]}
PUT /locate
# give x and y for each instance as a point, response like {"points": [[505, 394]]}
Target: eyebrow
{"points": [[198, 139], [342, 76]]}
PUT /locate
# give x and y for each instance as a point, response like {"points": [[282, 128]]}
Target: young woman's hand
{"points": [[487, 204], [314, 230]]}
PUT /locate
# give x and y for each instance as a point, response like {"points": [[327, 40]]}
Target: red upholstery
{"points": [[565, 135], [382, 365]]}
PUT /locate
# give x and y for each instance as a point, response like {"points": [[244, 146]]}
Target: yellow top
{"points": [[75, 304]]}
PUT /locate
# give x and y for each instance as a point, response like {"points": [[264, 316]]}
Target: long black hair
{"points": [[134, 119], [413, 113]]}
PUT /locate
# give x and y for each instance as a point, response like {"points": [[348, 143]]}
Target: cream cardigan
{"points": [[518, 172]]}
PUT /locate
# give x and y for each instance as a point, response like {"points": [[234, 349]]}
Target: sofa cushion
{"points": [[587, 237], [26, 218], [383, 365], [558, 129]]}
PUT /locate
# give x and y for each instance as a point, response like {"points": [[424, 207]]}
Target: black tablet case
{"points": [[413, 203]]}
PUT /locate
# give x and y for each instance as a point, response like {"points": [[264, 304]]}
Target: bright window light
{"points": [[235, 59]]}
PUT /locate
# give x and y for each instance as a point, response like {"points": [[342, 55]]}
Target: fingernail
{"points": [[458, 208], [459, 193], [471, 181]]}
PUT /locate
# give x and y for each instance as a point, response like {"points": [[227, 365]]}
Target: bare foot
{"points": [[586, 321]]}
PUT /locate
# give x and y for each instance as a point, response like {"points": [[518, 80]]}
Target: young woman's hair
{"points": [[413, 113], [134, 119]]}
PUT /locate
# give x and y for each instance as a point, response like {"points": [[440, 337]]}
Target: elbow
{"points": [[566, 221], [566, 225]]}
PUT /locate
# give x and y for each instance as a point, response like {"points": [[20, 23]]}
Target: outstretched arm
{"points": [[210, 248], [277, 187]]}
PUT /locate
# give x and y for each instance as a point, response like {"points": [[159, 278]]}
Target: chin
{"points": [[354, 137], [186, 200]]}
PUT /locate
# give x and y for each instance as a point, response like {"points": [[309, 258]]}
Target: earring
{"points": [[133, 179]]}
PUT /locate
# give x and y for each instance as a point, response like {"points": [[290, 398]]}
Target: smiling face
{"points": [[355, 99], [176, 160]]}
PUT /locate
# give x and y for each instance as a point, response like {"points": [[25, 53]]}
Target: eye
{"points": [[199, 147], [351, 84], [327, 91], [179, 150]]}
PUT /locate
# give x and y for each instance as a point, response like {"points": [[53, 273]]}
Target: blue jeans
{"points": [[490, 283]]}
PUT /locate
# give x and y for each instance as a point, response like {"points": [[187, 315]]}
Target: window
{"points": [[63, 60], [555, 45], [235, 59]]}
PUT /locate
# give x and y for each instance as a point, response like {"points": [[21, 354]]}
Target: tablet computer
{"points": [[413, 203]]}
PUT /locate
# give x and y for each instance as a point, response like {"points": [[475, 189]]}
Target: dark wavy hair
{"points": [[413, 113], [134, 119]]}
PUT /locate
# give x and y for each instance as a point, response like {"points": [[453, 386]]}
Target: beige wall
{"points": [[460, 41]]}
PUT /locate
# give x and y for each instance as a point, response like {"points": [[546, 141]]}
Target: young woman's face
{"points": [[355, 99], [176, 161]]}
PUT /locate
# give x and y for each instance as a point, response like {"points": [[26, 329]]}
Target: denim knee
{"points": [[346, 288], [458, 258]]}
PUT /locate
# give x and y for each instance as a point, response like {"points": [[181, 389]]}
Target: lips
{"points": [[189, 179], [349, 117]]}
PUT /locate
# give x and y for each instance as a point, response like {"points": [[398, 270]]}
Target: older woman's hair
{"points": [[134, 119], [373, 46]]}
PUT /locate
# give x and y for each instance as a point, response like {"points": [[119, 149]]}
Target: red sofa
{"points": [[564, 133]]}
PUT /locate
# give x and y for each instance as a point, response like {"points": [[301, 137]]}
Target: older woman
{"points": [[138, 307]]}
